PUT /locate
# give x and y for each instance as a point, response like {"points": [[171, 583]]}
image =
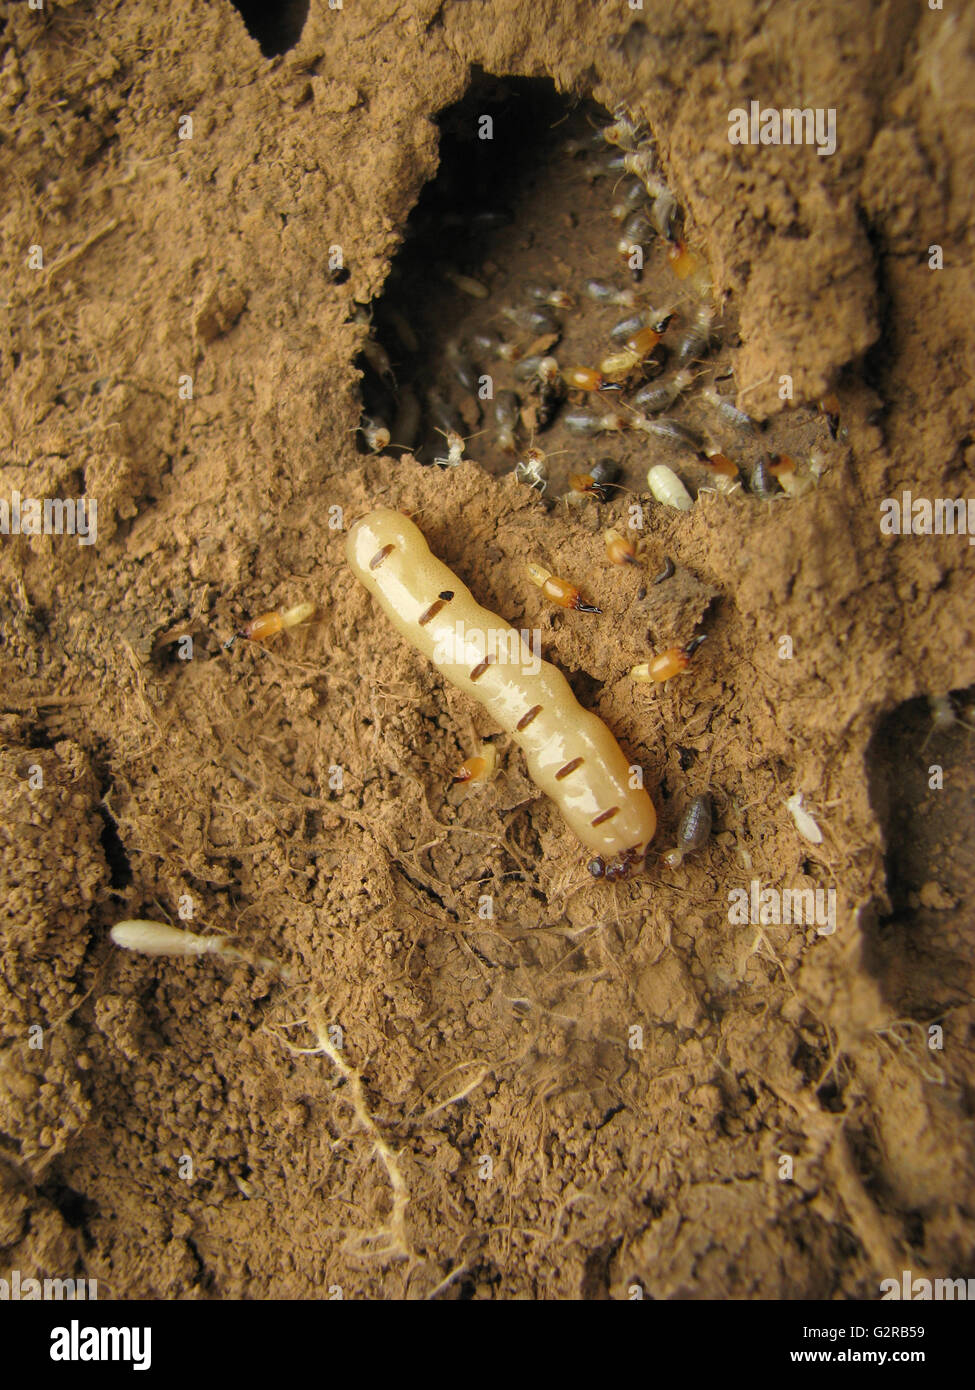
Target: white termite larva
{"points": [[805, 824], [572, 756], [668, 488]]}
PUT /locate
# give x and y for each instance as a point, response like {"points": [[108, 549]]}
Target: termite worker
{"points": [[506, 407], [455, 450], [728, 410], [674, 431], [666, 216], [584, 421], [536, 320], [531, 469], [551, 295], [641, 163], [545, 384], [461, 366], [763, 482], [654, 319], [474, 289], [559, 591], [696, 336], [494, 346], [693, 831], [632, 199], [624, 132], [609, 294], [660, 395], [375, 432]]}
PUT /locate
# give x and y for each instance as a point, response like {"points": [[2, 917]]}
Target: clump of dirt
{"points": [[482, 1074]]}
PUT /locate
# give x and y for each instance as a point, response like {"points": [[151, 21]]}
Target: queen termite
{"points": [[571, 753]]}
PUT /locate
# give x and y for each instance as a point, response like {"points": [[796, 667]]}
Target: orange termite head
{"points": [[586, 484], [720, 463], [682, 261], [262, 627], [619, 550], [667, 664], [781, 463], [643, 342], [479, 767], [582, 378]]}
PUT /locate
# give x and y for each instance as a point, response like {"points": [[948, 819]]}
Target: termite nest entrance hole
{"points": [[482, 225], [921, 778], [549, 314], [276, 28], [521, 200]]}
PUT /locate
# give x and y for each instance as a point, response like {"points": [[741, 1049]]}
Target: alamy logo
{"points": [[19, 1290], [762, 907], [50, 516], [925, 1290], [471, 647], [77, 1343], [790, 126], [920, 516]]}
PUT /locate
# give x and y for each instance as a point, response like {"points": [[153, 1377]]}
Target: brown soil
{"points": [[468, 1038]]}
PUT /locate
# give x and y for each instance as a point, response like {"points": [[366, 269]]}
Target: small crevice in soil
{"points": [[921, 776], [278, 27]]}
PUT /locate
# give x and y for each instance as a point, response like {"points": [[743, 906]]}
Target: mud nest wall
{"points": [[482, 1125]]}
